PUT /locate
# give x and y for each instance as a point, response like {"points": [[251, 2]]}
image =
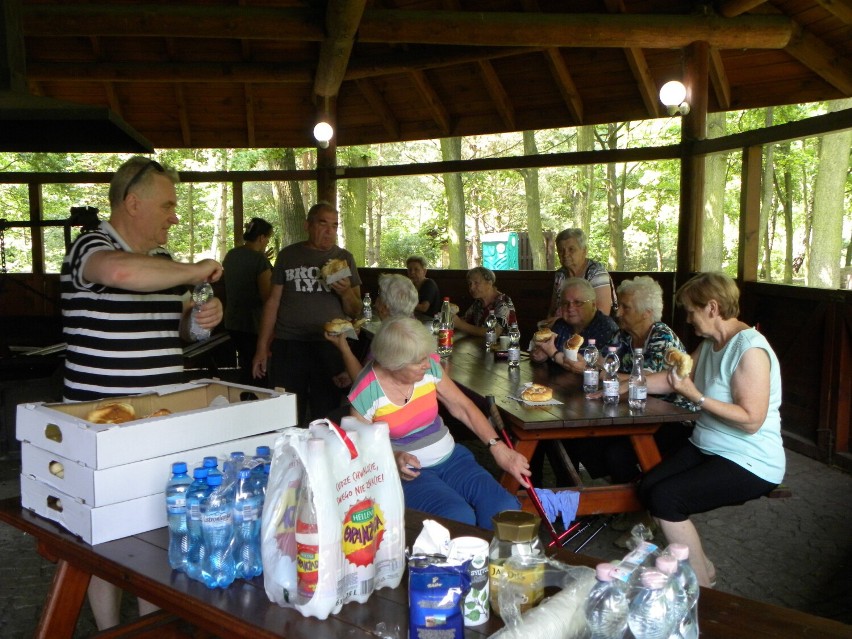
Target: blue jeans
{"points": [[459, 489]]}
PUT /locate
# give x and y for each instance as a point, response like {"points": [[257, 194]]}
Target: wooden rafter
{"points": [[368, 89], [565, 82], [498, 93], [248, 90], [436, 107], [185, 129], [112, 98], [822, 59], [342, 18], [401, 26], [719, 80], [840, 8], [733, 8]]}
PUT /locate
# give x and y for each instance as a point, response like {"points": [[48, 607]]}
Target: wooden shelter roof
{"points": [[255, 73]]}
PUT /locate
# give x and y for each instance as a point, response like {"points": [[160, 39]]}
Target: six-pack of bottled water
{"points": [[214, 517]]}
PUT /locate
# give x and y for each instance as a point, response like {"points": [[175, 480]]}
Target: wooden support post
{"points": [[327, 157], [37, 234], [750, 213], [239, 211]]}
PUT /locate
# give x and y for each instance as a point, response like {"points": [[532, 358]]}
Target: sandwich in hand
{"points": [[330, 268], [572, 346], [537, 393], [543, 335], [115, 413], [678, 360], [338, 326]]}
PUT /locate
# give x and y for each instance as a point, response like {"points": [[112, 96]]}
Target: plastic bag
{"points": [[359, 512]]}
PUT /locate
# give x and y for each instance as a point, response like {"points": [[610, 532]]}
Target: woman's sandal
{"points": [[711, 573]]}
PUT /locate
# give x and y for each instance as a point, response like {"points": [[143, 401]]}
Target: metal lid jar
{"points": [[515, 535]]}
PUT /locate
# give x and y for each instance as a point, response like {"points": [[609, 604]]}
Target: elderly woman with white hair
{"points": [[402, 387]]}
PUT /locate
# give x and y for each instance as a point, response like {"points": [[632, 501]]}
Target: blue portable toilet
{"points": [[500, 251]]}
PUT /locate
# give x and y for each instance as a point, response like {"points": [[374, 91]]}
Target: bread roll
{"points": [[332, 266], [338, 326], [115, 413], [161, 412], [543, 335], [537, 393], [574, 342], [678, 360]]}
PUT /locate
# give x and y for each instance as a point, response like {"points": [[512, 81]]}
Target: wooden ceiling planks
{"points": [[245, 74]]}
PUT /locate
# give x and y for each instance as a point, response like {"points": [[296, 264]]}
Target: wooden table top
{"points": [[139, 564]]}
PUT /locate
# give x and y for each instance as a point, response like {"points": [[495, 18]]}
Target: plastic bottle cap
{"points": [[214, 479], [262, 450], [679, 551], [653, 579], [179, 467], [667, 564], [200, 473]]}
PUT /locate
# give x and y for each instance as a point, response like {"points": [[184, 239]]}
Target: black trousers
{"points": [[306, 369]]}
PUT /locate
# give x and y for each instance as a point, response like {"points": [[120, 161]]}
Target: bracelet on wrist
{"points": [[700, 402]]}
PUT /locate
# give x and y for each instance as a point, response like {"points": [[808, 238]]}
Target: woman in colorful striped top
{"points": [[402, 387]]}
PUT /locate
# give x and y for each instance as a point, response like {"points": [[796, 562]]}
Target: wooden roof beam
{"points": [[184, 72], [639, 67], [342, 18], [506, 29], [248, 90], [565, 82], [574, 30], [498, 94], [719, 80], [380, 106], [436, 106], [822, 59], [733, 8], [185, 129], [839, 8]]}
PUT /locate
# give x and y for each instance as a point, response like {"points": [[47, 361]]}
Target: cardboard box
{"points": [[204, 412], [94, 525], [98, 488]]}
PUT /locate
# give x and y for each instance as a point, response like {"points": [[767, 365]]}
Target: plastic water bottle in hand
{"points": [[514, 346], [606, 605], [490, 331], [197, 491], [590, 374], [688, 626], [649, 617], [445, 332], [247, 526], [367, 307], [610, 381], [202, 294], [637, 385], [176, 489], [218, 569]]}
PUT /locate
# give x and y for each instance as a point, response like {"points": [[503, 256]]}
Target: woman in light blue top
{"points": [[735, 453]]}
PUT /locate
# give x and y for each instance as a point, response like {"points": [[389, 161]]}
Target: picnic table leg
{"points": [[64, 602], [646, 451]]}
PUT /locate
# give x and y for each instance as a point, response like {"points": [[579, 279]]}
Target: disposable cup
{"points": [[476, 608]]}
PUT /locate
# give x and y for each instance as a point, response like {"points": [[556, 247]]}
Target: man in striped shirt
{"points": [[126, 305]]}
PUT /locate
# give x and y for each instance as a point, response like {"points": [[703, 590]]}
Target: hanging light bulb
{"points": [[673, 95], [323, 133]]}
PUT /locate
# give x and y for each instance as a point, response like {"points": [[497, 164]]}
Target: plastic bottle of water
{"points": [[445, 332], [490, 331], [232, 466], [247, 526], [265, 452], [217, 529], [688, 627], [637, 385], [202, 294], [676, 595], [210, 463], [590, 374], [610, 380], [176, 489], [606, 606], [197, 491], [514, 345], [367, 307], [648, 617]]}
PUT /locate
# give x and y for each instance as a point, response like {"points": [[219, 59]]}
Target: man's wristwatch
{"points": [[493, 442]]}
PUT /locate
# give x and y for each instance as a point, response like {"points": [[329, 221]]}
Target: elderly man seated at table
{"points": [[481, 284], [577, 314], [402, 387], [735, 453]]}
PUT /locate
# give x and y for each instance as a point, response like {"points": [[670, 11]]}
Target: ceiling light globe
{"points": [[672, 93], [323, 132]]}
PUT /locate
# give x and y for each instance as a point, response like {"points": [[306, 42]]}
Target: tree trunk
{"points": [[457, 249], [191, 220], [291, 211], [828, 204], [614, 207], [353, 213], [586, 188], [220, 222], [533, 199], [714, 199], [767, 202]]}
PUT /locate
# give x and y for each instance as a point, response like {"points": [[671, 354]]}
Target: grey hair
{"points": [[418, 259], [581, 283], [136, 169], [568, 234], [485, 273], [314, 211], [402, 341], [647, 295], [397, 294]]}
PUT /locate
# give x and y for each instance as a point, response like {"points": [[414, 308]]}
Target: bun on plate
{"points": [[338, 326], [574, 342], [678, 360], [543, 335], [332, 266], [537, 393], [115, 413]]}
